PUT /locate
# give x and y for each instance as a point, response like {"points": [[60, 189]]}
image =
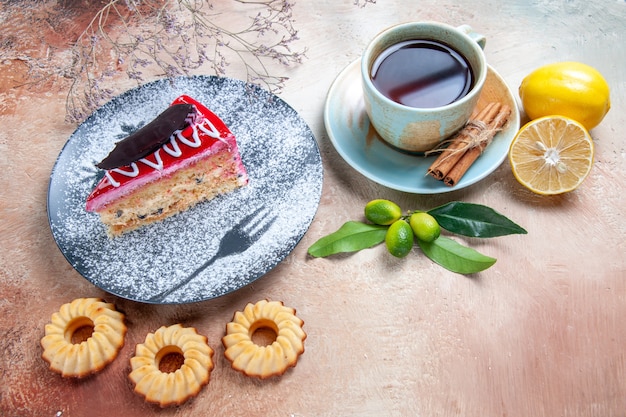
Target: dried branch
{"points": [[144, 39], [176, 37]]}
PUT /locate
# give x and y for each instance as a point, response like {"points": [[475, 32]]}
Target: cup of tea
{"points": [[421, 82]]}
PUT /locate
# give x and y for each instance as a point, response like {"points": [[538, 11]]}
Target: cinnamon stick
{"points": [[470, 156], [440, 168]]}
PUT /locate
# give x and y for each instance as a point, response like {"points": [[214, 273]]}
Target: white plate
{"points": [[360, 146], [285, 169]]}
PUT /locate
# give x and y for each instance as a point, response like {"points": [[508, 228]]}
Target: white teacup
{"points": [[421, 128]]}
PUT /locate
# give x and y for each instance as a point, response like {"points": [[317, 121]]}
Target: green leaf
{"points": [[351, 237], [474, 220], [455, 257]]}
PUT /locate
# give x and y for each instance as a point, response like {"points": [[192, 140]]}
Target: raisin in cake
{"points": [[184, 156]]}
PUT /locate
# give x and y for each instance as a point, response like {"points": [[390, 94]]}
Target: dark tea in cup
{"points": [[421, 81], [422, 74]]}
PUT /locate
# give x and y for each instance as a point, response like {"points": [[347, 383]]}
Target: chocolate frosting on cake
{"points": [[149, 137]]}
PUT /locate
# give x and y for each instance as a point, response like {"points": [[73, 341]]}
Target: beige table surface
{"points": [[541, 333]]}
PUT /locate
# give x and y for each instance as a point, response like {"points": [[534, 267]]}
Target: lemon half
{"points": [[551, 155]]}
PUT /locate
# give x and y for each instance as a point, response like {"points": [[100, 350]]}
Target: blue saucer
{"points": [[349, 129]]}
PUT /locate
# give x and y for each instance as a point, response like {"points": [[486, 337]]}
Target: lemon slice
{"points": [[551, 155]]}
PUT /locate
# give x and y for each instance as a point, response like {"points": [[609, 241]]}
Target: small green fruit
{"points": [[399, 238], [383, 212], [424, 226]]}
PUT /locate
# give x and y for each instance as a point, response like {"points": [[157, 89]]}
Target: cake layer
{"points": [[209, 177]]}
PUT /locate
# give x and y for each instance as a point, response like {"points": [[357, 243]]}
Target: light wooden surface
{"points": [[541, 333]]}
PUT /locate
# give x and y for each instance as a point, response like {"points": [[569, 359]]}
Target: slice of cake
{"points": [[184, 156]]}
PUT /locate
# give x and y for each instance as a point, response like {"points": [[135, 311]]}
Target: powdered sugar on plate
{"points": [[283, 162]]}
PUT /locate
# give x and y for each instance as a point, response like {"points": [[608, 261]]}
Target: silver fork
{"points": [[237, 240]]}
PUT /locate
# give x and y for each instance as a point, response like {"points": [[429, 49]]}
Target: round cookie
{"points": [[74, 358], [172, 365], [259, 361]]}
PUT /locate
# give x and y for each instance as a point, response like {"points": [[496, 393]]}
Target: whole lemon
{"points": [[382, 212], [570, 89]]}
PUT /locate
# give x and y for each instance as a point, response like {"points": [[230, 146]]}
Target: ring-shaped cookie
{"points": [[88, 356], [183, 381], [264, 361]]}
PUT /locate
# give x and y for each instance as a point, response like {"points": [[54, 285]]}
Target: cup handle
{"points": [[481, 40]]}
